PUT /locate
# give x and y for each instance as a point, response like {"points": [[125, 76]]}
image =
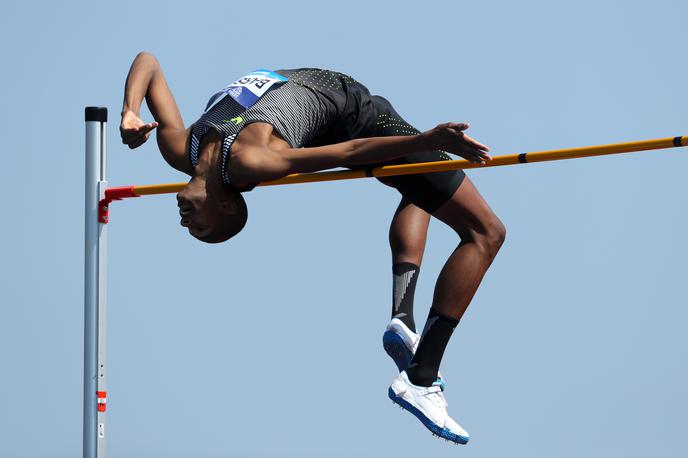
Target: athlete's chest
{"points": [[258, 135]]}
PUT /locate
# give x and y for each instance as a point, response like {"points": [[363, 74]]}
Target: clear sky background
{"points": [[270, 345]]}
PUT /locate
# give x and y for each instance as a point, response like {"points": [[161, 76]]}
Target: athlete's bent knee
{"points": [[492, 237]]}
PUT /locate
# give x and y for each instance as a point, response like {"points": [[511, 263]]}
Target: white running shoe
{"points": [[401, 343], [429, 406]]}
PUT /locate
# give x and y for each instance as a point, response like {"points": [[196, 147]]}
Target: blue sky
{"points": [[270, 345]]}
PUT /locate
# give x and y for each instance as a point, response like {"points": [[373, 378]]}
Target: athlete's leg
{"points": [[453, 199], [482, 234], [422, 195], [407, 235]]}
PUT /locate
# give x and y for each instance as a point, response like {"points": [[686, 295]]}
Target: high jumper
{"points": [[270, 124]]}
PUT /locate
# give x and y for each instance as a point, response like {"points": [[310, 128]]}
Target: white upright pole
{"points": [[94, 285]]}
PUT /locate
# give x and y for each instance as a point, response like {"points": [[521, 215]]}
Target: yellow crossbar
{"points": [[443, 166]]}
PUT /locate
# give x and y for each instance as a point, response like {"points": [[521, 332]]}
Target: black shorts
{"points": [[367, 115]]}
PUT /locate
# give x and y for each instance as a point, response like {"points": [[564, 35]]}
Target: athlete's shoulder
{"points": [[317, 78], [302, 69], [306, 71]]}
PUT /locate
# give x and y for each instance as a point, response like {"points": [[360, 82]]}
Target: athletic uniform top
{"points": [[303, 106]]}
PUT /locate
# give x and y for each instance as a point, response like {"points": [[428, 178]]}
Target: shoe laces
{"points": [[434, 393]]}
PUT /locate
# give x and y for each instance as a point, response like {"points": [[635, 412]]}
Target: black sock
{"points": [[426, 363], [405, 275]]}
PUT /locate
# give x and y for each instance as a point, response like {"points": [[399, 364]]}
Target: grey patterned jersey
{"points": [[301, 111]]}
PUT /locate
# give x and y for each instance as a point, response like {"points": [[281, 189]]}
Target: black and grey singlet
{"points": [[304, 106]]}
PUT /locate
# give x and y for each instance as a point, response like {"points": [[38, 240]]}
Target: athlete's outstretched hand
{"points": [[450, 137], [134, 131]]}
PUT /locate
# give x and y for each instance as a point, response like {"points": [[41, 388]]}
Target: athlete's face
{"points": [[212, 214]]}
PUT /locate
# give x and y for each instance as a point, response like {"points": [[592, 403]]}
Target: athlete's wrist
{"points": [[424, 141], [130, 109]]}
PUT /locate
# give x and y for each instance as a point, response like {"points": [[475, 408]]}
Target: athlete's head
{"points": [[212, 211], [212, 214]]}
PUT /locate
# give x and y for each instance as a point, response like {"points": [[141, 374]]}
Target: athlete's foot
{"points": [[429, 406], [400, 343]]}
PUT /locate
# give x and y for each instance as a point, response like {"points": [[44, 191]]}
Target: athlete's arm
{"points": [[252, 164], [146, 80]]}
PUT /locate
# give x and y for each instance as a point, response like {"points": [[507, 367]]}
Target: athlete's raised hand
{"points": [[134, 131], [450, 137]]}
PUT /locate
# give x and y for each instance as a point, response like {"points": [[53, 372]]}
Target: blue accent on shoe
{"points": [[444, 433], [396, 349]]}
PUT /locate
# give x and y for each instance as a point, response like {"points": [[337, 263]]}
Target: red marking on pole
{"points": [[102, 400]]}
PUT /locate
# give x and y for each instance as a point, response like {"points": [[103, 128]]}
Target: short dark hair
{"points": [[227, 226]]}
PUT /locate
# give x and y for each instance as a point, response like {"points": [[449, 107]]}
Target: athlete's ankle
{"points": [[407, 320], [425, 365], [421, 376]]}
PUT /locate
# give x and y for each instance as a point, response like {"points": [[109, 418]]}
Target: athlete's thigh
{"points": [[467, 211], [427, 191], [410, 221]]}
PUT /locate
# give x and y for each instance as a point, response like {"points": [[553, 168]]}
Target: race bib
{"points": [[249, 89]]}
